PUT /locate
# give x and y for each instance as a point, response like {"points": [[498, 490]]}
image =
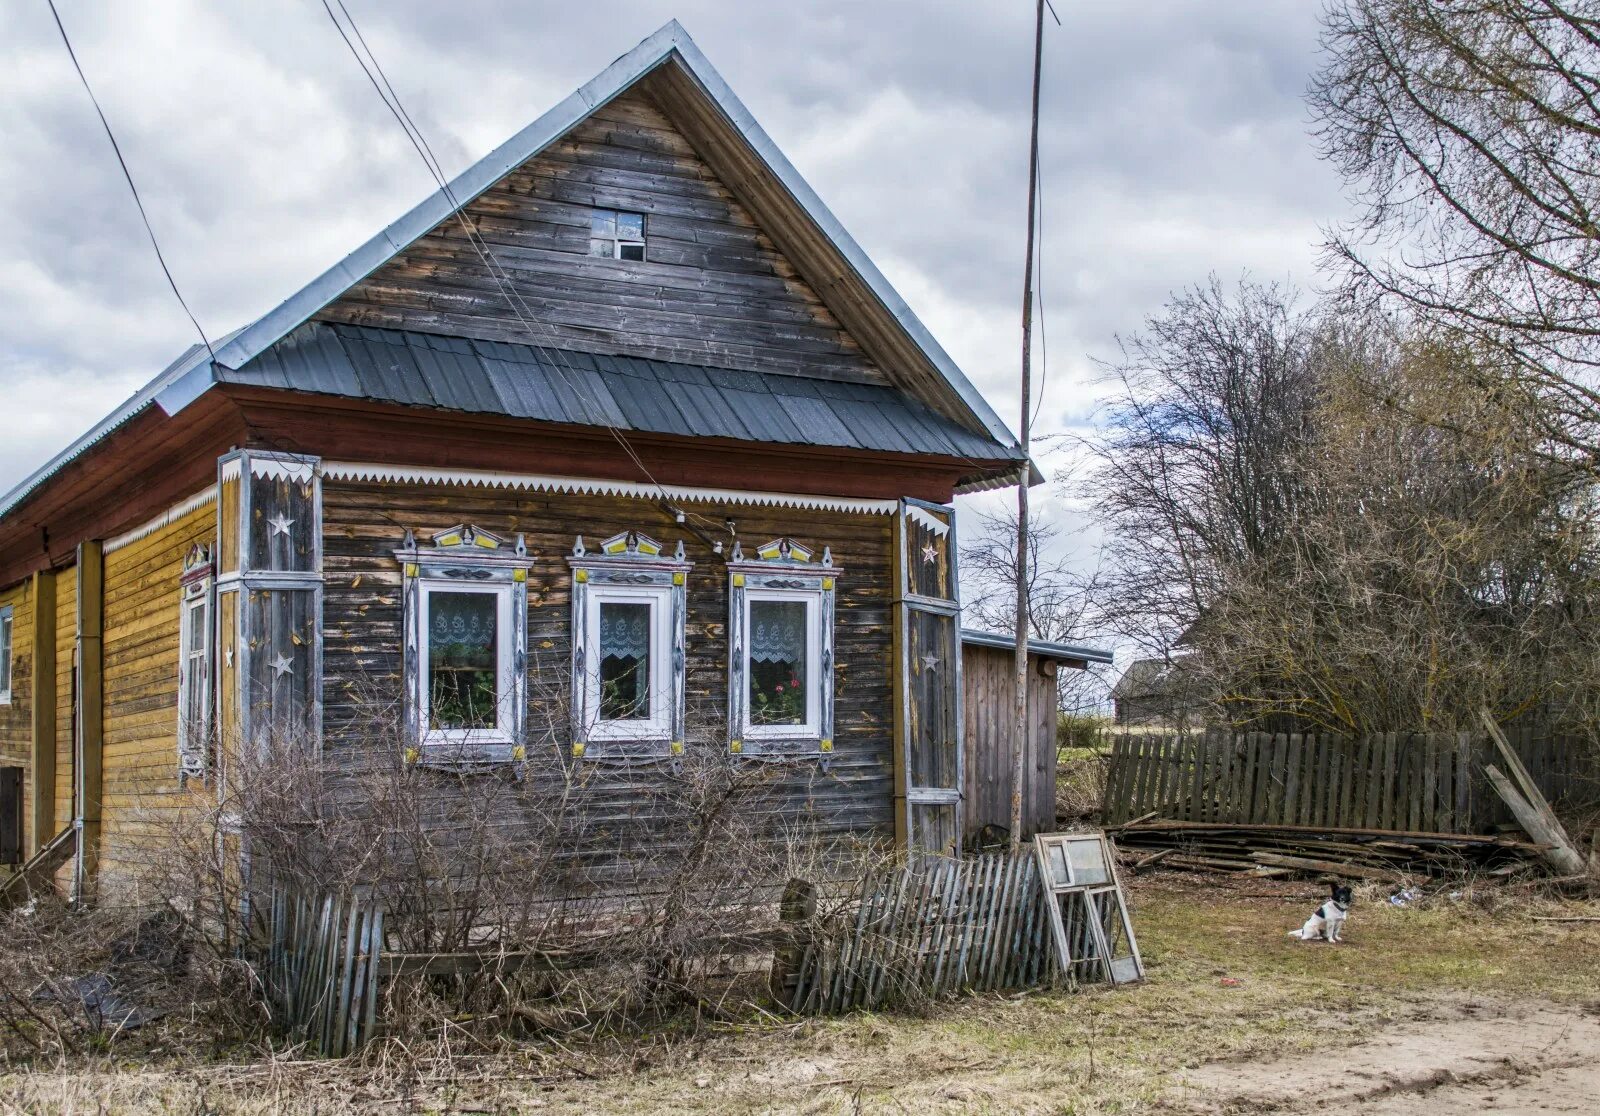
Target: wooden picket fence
{"points": [[318, 960], [928, 928], [1416, 782]]}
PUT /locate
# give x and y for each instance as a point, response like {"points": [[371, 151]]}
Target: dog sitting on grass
{"points": [[1327, 921]]}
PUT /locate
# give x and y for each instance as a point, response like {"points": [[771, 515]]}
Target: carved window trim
{"points": [[782, 570], [196, 664], [7, 638], [630, 566], [465, 558]]}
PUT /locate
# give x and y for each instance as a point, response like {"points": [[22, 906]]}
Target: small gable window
{"points": [[616, 235], [780, 684], [195, 645], [5, 655], [628, 617], [466, 615]]}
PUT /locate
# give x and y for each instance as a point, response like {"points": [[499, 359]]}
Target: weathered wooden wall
{"points": [[988, 708], [140, 773], [16, 728], [66, 639], [362, 616], [713, 289]]}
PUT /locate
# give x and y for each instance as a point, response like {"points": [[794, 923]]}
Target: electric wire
{"points": [[128, 177]]}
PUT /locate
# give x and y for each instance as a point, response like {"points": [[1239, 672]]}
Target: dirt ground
{"points": [[1456, 1005]]}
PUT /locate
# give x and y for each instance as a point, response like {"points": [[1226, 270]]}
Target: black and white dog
{"points": [[1327, 922]]}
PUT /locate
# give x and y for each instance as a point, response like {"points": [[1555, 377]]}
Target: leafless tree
{"points": [[1469, 131]]}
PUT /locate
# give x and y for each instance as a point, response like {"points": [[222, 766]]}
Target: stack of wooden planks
{"points": [[1395, 857]]}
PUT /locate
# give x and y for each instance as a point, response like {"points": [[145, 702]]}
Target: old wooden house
{"points": [[616, 447]]}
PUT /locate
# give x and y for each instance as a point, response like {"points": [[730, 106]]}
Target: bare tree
{"points": [[1469, 131]]}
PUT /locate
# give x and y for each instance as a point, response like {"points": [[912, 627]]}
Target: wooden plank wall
{"points": [[16, 718], [140, 780], [713, 289], [363, 525], [1421, 782], [988, 683], [66, 717]]}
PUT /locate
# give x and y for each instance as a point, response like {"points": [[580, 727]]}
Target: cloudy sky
{"points": [[1174, 145]]}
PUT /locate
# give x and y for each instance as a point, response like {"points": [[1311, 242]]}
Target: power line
{"points": [[384, 88], [128, 177]]}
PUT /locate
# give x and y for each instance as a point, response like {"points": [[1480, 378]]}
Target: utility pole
{"points": [[1019, 737]]}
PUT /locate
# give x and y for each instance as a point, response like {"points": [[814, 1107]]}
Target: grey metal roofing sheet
{"points": [[1039, 647], [526, 381]]}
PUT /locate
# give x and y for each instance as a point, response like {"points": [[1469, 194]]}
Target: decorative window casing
{"points": [[196, 662], [616, 234], [780, 661], [629, 609], [466, 646], [6, 639]]}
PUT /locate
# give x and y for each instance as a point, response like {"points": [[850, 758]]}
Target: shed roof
{"points": [[536, 382], [1042, 648], [921, 368]]}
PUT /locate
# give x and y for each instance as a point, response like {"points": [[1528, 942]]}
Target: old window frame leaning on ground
{"points": [[606, 239], [629, 568], [783, 571], [7, 638], [196, 662], [466, 560]]}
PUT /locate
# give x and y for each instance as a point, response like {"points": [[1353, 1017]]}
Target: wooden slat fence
{"points": [[1418, 782], [930, 928], [318, 960]]}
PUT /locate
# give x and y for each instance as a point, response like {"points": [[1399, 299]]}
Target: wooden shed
{"points": [[988, 663]]}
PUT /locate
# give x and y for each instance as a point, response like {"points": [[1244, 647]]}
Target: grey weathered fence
{"points": [[1421, 782], [928, 928], [317, 957]]}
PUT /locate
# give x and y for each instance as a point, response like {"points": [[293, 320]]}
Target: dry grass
{"points": [[1091, 1052]]}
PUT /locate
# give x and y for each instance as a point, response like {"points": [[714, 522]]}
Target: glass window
{"points": [[464, 658], [625, 660], [778, 682], [5, 655], [616, 235], [195, 649]]}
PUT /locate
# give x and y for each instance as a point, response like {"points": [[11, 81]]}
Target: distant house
{"points": [[622, 419], [1155, 695]]}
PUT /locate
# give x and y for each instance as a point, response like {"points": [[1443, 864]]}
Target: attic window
{"points": [[616, 235]]}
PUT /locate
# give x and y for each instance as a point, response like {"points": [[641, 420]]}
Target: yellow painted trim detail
{"points": [[519, 575], [577, 748], [738, 581], [582, 576], [827, 744], [412, 755], [519, 753], [450, 540], [736, 746], [412, 569], [677, 747], [827, 583], [486, 542], [677, 578]]}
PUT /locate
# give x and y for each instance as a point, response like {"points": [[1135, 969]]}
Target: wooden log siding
{"points": [[1427, 782], [66, 716], [712, 288], [16, 718], [140, 772], [988, 678], [363, 524]]}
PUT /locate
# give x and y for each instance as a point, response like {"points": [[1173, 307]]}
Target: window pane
{"points": [[777, 662], [197, 627], [602, 248], [5, 652], [463, 660], [630, 226], [603, 222], [630, 251], [624, 661]]}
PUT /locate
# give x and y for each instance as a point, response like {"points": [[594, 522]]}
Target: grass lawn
{"points": [[1224, 981]]}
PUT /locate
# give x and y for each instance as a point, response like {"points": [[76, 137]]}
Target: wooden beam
{"points": [[1539, 823], [89, 737], [42, 758]]}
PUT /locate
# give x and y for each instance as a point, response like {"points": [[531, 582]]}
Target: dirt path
{"points": [[1481, 1057]]}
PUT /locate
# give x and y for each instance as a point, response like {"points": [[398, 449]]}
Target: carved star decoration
{"points": [[280, 524], [930, 554], [283, 665], [930, 662]]}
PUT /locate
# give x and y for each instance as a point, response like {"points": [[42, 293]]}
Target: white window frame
{"points": [[7, 639], [197, 593], [812, 725], [504, 731], [618, 241], [657, 726], [466, 559], [630, 567], [783, 569]]}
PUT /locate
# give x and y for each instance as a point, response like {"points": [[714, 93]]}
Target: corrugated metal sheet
{"points": [[586, 389], [1038, 647]]}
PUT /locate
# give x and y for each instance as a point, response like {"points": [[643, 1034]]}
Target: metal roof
{"points": [[658, 397], [191, 376], [1038, 647]]}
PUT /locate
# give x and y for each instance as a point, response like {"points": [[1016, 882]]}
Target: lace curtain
{"points": [[461, 620], [777, 631], [624, 631]]}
